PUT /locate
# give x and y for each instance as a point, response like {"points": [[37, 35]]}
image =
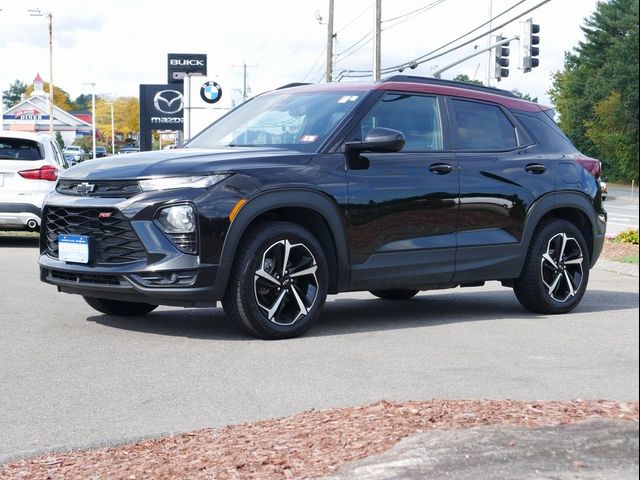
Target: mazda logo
{"points": [[168, 102]]}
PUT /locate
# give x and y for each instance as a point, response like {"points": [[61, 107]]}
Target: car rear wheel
{"points": [[119, 308], [556, 270], [397, 294], [279, 280]]}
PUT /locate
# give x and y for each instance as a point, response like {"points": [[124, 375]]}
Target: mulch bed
{"points": [[302, 446]]}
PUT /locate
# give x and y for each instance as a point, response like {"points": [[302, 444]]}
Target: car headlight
{"points": [[179, 224], [178, 219], [166, 183]]}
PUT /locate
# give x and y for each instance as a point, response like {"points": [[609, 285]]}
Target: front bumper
{"points": [[166, 275]]}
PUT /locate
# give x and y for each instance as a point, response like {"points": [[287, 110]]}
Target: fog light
{"points": [[178, 219]]}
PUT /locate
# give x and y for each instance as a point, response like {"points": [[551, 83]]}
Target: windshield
{"points": [[299, 121]]}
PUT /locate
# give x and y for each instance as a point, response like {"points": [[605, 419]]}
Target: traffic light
{"points": [[528, 43], [501, 52]]}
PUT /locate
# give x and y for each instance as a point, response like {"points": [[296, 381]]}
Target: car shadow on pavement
{"points": [[343, 316], [19, 241]]}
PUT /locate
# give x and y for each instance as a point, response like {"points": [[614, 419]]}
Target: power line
{"points": [[341, 29], [314, 64], [414, 12], [480, 26], [430, 55], [354, 45]]}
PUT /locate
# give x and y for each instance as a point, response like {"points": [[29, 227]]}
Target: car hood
{"points": [[183, 162]]}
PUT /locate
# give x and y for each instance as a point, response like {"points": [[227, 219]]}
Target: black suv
{"points": [[394, 187]]}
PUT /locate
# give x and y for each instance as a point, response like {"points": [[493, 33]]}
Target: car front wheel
{"points": [[556, 270], [279, 280]]}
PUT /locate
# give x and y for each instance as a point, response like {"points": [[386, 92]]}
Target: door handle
{"points": [[440, 168], [535, 168]]}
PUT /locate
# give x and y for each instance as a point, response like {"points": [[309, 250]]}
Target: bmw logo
{"points": [[211, 92]]}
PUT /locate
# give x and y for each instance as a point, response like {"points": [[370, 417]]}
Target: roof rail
{"points": [[294, 84], [449, 83]]}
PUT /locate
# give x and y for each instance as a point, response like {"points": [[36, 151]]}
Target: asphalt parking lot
{"points": [[70, 377]]}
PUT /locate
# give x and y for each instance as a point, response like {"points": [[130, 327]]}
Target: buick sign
{"points": [[181, 64]]}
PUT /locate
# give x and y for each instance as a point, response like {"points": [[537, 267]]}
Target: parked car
{"points": [[397, 186], [125, 150], [69, 158], [29, 166], [101, 151], [603, 189], [78, 153]]}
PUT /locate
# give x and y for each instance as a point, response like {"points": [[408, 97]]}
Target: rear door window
{"points": [[20, 149], [481, 126]]}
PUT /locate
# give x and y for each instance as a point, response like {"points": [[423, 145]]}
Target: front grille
{"points": [[90, 278], [111, 237], [105, 188]]}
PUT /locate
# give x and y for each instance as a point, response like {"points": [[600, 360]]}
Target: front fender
{"points": [[286, 198]]}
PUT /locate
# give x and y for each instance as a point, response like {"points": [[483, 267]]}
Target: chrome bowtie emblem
{"points": [[85, 188]]}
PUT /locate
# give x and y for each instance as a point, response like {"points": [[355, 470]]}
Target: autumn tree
{"points": [[126, 112], [596, 93], [60, 97]]}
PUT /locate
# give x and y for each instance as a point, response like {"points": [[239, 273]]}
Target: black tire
{"points": [[267, 298], [397, 294], [556, 270], [119, 308]]}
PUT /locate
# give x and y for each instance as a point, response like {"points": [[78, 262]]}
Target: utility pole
{"points": [[39, 13], [490, 60], [376, 40], [330, 43], [244, 67]]}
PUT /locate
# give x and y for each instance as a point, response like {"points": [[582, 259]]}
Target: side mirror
{"points": [[382, 140]]}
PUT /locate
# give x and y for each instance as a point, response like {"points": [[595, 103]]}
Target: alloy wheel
{"points": [[285, 284], [561, 267]]}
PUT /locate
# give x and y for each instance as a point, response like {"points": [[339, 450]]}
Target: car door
{"points": [[402, 211], [499, 180]]}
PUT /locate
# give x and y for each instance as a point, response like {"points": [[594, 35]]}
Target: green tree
{"points": [[12, 95], [524, 96], [59, 139], [596, 93], [82, 102], [465, 78]]}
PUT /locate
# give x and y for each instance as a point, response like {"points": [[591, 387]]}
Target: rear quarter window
{"points": [[20, 149], [545, 131]]}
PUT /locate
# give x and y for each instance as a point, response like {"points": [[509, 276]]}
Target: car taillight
{"points": [[591, 165], [43, 173]]}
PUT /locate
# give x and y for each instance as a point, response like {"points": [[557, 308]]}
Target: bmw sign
{"points": [[210, 92]]}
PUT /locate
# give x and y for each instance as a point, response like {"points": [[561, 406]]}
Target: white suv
{"points": [[29, 165]]}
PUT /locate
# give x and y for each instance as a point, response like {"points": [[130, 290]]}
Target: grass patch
{"points": [[627, 259], [18, 233]]}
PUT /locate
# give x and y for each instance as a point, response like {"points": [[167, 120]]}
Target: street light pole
{"points": [[93, 116], [39, 13], [113, 131]]}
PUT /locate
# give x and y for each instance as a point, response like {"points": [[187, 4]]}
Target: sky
{"points": [[121, 44]]}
